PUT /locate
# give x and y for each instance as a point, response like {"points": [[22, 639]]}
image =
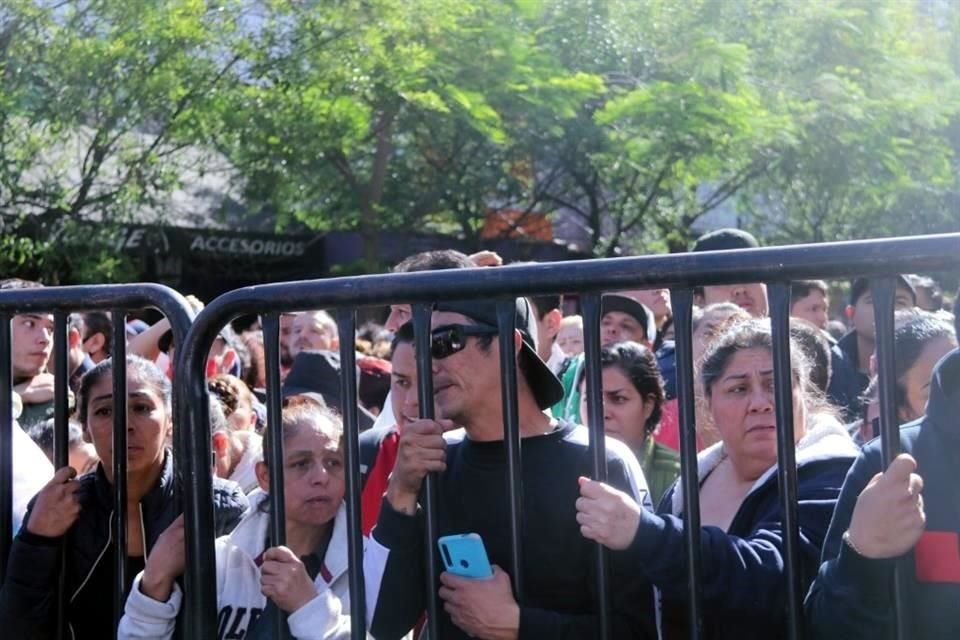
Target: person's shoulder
{"points": [[373, 437], [909, 433], [665, 457], [228, 497], [578, 436]]}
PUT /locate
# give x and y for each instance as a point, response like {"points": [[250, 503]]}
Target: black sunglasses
{"points": [[451, 338]]}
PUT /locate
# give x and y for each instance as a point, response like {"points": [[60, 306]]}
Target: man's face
{"points": [[400, 314], [812, 308], [403, 385], [286, 332], [310, 333], [657, 300], [617, 326], [752, 297], [466, 384], [32, 336], [861, 313]]}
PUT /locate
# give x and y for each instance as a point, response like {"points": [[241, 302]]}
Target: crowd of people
{"points": [[857, 519]]}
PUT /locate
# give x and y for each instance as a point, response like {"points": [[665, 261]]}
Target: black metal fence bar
{"points": [[678, 272], [421, 330], [278, 528], [60, 301], [883, 292], [118, 353], [682, 303], [61, 446], [6, 444], [347, 328], [590, 307], [507, 326], [779, 296]]}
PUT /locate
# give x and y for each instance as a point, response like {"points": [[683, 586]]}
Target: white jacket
{"points": [[31, 472], [239, 600], [245, 473]]}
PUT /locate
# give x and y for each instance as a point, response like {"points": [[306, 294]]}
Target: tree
{"points": [[872, 95], [679, 129], [395, 114], [101, 103]]}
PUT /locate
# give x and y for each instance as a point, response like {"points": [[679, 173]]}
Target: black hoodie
{"points": [[28, 596], [851, 597]]}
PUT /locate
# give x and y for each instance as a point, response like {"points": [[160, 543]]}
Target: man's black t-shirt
{"points": [[558, 563]]}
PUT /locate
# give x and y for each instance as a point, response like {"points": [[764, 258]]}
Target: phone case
{"points": [[465, 555]]}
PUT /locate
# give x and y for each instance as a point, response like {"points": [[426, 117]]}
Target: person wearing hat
{"points": [[316, 374], [751, 297], [851, 369], [622, 318], [559, 598]]}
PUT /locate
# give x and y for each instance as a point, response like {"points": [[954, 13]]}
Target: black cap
{"points": [[637, 310], [546, 387], [318, 373], [861, 285], [725, 240]]}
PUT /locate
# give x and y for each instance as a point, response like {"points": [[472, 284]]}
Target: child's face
{"points": [[570, 339]]}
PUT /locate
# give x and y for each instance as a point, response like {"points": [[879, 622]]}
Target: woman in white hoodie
{"points": [[306, 578]]}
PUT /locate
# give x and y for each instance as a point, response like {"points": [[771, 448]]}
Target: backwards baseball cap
{"points": [[861, 286], [637, 310], [546, 388], [725, 240]]}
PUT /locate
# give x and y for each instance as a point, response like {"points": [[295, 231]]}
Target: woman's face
{"points": [[313, 477], [625, 411], [706, 328], [917, 378], [742, 406], [148, 423]]}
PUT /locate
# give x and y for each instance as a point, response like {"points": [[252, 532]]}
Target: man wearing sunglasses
{"points": [[465, 447]]}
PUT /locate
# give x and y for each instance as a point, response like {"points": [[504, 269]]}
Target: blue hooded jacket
{"points": [[851, 597], [744, 587]]}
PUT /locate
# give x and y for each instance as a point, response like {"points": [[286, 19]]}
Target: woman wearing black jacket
{"points": [[82, 510]]}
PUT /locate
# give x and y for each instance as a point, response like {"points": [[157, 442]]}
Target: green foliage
{"points": [[815, 120], [872, 94], [63, 252]]}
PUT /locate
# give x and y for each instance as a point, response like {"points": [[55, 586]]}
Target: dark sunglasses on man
{"points": [[448, 339]]}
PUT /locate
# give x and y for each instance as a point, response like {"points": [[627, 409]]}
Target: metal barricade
{"points": [[776, 266], [60, 301]]}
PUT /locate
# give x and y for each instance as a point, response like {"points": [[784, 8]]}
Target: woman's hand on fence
{"points": [[422, 450], [483, 608], [606, 515], [165, 563], [284, 579], [888, 518], [56, 507]]}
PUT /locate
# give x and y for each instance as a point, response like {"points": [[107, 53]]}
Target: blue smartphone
{"points": [[464, 555]]}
